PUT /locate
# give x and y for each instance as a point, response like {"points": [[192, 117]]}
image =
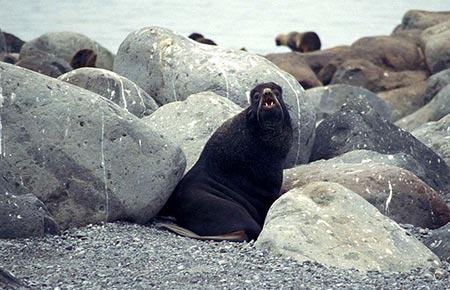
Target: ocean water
{"points": [[231, 23]]}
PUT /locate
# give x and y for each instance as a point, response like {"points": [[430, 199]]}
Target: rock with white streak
{"points": [[327, 223], [87, 159], [171, 67], [113, 87]]}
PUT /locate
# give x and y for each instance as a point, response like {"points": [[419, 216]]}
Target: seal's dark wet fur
{"points": [[239, 173]]}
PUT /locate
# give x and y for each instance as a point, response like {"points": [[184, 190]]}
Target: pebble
{"points": [[157, 259]]}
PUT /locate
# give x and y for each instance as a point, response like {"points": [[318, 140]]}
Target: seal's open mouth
{"points": [[269, 103]]}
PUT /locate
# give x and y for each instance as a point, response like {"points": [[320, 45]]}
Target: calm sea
{"points": [[230, 23]]}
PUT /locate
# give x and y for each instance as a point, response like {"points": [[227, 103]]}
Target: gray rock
{"points": [[113, 87], [404, 101], [191, 122], [418, 19], [85, 157], [395, 192], [439, 242], [171, 67], [357, 126], [436, 46], [435, 84], [65, 44], [24, 216], [328, 100], [330, 224], [436, 135], [436, 109]]}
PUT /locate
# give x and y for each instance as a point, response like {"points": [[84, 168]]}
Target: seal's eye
{"points": [[276, 93], [256, 96]]}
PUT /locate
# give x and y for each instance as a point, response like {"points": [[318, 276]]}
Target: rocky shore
{"points": [[92, 144]]}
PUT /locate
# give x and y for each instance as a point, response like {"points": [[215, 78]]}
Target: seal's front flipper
{"points": [[239, 236]]}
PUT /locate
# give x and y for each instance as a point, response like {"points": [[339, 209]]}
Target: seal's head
{"points": [[267, 106]]}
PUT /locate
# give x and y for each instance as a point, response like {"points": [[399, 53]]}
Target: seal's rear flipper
{"points": [[239, 236]]}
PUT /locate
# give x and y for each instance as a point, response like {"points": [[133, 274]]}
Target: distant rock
{"points": [[3, 48], [418, 19], [363, 73], [65, 44], [386, 52], [395, 192], [297, 67], [44, 63], [435, 84], [170, 67], [436, 109], [357, 126], [113, 87], [439, 242], [328, 100], [86, 158], [436, 135], [404, 101], [191, 122], [327, 223], [436, 46]]}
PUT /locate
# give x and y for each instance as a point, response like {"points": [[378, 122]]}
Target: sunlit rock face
{"points": [[330, 224], [113, 87], [358, 126], [171, 67], [86, 158], [191, 122]]}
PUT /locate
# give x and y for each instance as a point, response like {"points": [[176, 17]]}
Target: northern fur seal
{"points": [[200, 38], [302, 42], [228, 192]]}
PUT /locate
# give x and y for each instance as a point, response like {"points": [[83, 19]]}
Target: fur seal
{"points": [[226, 195], [200, 38], [302, 42], [83, 58]]}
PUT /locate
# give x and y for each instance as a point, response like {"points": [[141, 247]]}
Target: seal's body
{"points": [[239, 172]]}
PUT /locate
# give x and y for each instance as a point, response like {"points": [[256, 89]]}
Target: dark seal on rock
{"points": [[302, 42], [200, 38], [239, 173]]}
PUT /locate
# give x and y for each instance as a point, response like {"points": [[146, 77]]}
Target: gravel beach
{"points": [[130, 256]]}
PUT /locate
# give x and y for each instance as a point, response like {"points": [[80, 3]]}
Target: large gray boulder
{"points": [[328, 100], [171, 67], [113, 87], [328, 223], [395, 192], [191, 122], [436, 135], [85, 157], [436, 109], [436, 46], [358, 126], [65, 44]]}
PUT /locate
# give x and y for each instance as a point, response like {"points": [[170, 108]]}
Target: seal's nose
{"points": [[267, 92]]}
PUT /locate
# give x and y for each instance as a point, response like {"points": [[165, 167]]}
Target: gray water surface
{"points": [[230, 23]]}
